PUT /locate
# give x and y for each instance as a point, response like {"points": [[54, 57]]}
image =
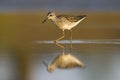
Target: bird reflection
{"points": [[61, 46], [64, 61]]}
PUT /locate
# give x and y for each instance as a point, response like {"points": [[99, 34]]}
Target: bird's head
{"points": [[50, 15], [51, 68]]}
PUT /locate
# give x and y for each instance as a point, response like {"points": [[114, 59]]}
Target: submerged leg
{"points": [[70, 41], [63, 35], [61, 46]]}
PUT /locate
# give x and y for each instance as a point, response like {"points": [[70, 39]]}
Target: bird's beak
{"points": [[44, 20]]}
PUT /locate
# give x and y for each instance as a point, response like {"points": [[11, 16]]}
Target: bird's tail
{"points": [[82, 65]]}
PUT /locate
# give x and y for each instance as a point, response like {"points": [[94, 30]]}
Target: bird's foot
{"points": [[56, 41]]}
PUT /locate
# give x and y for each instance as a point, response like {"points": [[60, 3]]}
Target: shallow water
{"points": [[25, 43], [101, 58], [100, 41]]}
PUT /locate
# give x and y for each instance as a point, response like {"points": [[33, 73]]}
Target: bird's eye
{"points": [[50, 15]]}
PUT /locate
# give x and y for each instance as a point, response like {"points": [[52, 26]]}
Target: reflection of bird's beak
{"points": [[45, 63], [44, 20]]}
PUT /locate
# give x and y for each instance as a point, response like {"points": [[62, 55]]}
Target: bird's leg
{"points": [[70, 41], [63, 35], [61, 46]]}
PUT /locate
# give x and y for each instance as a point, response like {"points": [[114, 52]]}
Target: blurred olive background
{"points": [[20, 26]]}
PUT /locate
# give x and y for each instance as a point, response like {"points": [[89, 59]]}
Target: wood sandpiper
{"points": [[65, 22]]}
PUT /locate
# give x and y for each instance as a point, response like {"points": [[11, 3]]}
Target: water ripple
{"points": [[98, 41]]}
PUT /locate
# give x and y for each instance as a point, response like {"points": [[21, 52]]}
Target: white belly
{"points": [[69, 26]]}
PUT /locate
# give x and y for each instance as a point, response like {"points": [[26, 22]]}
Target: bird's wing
{"points": [[72, 18]]}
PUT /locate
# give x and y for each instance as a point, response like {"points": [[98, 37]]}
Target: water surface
{"points": [[101, 58], [25, 43]]}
